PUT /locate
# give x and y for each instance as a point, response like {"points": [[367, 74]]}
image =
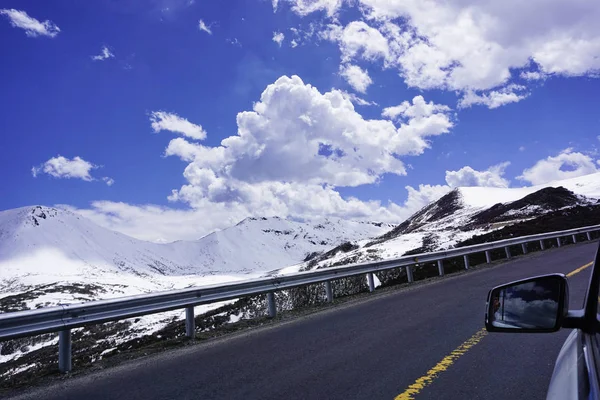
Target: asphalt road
{"points": [[371, 350]]}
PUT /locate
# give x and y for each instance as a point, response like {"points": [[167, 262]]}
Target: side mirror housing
{"points": [[531, 305]]}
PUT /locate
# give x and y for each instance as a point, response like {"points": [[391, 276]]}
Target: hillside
{"points": [[468, 212], [77, 260]]}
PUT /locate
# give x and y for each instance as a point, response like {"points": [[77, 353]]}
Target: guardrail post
{"points": [[441, 267], [558, 241], [588, 236], [542, 244], [329, 291], [507, 251], [524, 247], [190, 322], [466, 258], [574, 238], [271, 304], [409, 274], [488, 256], [371, 282], [64, 351]]}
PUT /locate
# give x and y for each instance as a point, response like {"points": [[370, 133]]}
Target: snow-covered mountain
{"points": [[74, 259], [463, 213]]}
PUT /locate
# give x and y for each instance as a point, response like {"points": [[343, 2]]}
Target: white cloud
{"points": [[164, 121], [358, 40], [471, 46], [32, 27], [203, 27], [467, 176], [567, 164], [108, 181], [278, 38], [61, 167], [158, 223], [275, 3], [356, 77], [494, 98], [303, 34], [425, 194], [533, 75], [358, 100], [105, 53], [418, 109], [305, 7], [297, 134], [521, 148]]}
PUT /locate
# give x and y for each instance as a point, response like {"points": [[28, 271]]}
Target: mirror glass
{"points": [[529, 305]]}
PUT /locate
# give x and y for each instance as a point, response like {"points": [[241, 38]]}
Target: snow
{"points": [[446, 232], [50, 256], [587, 185], [33, 347], [17, 370]]}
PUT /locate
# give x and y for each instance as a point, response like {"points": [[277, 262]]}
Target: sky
{"points": [[169, 119]]}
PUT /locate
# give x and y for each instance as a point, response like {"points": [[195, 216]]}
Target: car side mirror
{"points": [[531, 305]]}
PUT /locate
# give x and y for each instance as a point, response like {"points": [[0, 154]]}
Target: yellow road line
{"points": [[570, 274], [427, 379], [442, 366]]}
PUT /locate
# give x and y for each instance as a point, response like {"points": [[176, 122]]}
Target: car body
{"points": [[540, 304]]}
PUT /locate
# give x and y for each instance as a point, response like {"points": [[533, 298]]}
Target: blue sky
{"points": [[514, 105]]}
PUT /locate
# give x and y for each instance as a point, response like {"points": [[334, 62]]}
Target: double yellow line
{"points": [[446, 362]]}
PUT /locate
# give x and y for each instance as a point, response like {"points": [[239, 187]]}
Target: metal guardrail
{"points": [[66, 317]]}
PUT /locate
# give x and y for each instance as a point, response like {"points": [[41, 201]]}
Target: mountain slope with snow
{"points": [[464, 213], [50, 246]]}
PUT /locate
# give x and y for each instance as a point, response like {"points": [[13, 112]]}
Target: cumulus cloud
{"points": [[467, 176], [305, 7], [108, 181], [203, 27], [567, 164], [494, 98], [105, 53], [533, 75], [358, 100], [418, 109], [297, 134], [423, 195], [62, 167], [358, 40], [32, 27], [474, 47], [164, 121], [356, 77], [278, 38]]}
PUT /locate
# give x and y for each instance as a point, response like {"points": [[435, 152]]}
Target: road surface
{"points": [[376, 349]]}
